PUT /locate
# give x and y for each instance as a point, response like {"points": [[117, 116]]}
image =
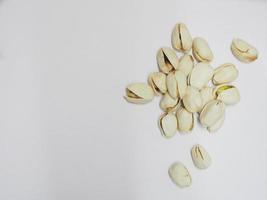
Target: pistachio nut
{"points": [[200, 75], [207, 95], [192, 99], [167, 60], [185, 120], [139, 93], [176, 84], [225, 73], [157, 81], [168, 103], [228, 94], [212, 112], [186, 64], [201, 50], [180, 175], [243, 51], [181, 38], [168, 125], [217, 125], [200, 157]]}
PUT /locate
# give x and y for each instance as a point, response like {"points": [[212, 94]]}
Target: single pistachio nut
{"points": [[212, 112], [186, 64], [225, 73], [243, 51], [181, 38], [180, 175], [228, 94], [217, 125], [176, 84], [168, 125], [157, 80], [167, 60], [139, 93], [207, 95], [200, 157], [201, 50], [185, 120], [168, 103], [192, 99], [200, 75]]}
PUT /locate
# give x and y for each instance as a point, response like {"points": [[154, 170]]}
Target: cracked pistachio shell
{"points": [[211, 113], [180, 175], [168, 125], [176, 84], [201, 50], [243, 51], [225, 73], [200, 75], [139, 93], [207, 95], [228, 94], [168, 103], [157, 81], [181, 38], [200, 157], [185, 120], [192, 99], [167, 60], [186, 64], [217, 125]]}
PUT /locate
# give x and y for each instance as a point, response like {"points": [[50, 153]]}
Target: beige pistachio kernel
{"points": [[225, 73], [228, 94], [243, 51], [185, 120], [200, 157], [176, 84], [139, 93], [201, 50], [180, 175], [157, 81], [168, 125], [181, 38], [167, 60], [168, 103], [192, 100], [186, 64]]}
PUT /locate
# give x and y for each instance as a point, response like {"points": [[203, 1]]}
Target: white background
{"points": [[67, 133]]}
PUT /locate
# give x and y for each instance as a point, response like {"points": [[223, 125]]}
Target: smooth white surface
{"points": [[66, 132]]}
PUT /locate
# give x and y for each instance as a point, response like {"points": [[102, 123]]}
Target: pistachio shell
{"points": [[185, 120], [192, 99], [157, 81], [200, 75], [207, 95], [139, 93], [201, 50], [168, 125], [167, 60], [180, 175], [186, 64], [225, 73], [181, 38], [228, 94], [212, 112], [176, 84], [217, 125], [200, 157], [168, 103], [243, 51]]}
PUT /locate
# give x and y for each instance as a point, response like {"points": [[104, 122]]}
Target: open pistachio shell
{"points": [[186, 64], [212, 112], [217, 125], [157, 81], [201, 50], [228, 94], [200, 75], [181, 38], [168, 125], [185, 120], [192, 99], [139, 93], [179, 175], [168, 103], [200, 157], [167, 60], [176, 84], [207, 95], [225, 73], [243, 51]]}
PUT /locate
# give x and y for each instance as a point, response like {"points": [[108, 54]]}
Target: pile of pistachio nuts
{"points": [[190, 87]]}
